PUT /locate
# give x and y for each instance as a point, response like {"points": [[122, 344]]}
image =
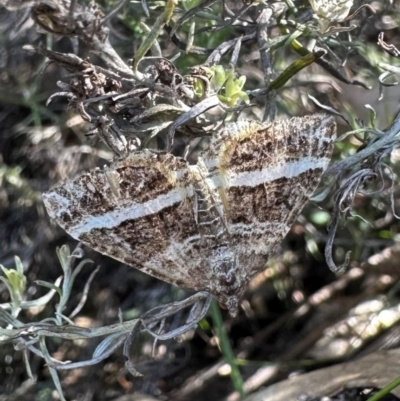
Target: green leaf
{"points": [[15, 280]]}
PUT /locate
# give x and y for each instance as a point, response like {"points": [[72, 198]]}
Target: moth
{"points": [[205, 227]]}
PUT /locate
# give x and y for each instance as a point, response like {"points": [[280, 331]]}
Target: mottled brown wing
{"points": [[265, 173], [139, 211]]}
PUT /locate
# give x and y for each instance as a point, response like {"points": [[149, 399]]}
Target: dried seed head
{"points": [[328, 11]]}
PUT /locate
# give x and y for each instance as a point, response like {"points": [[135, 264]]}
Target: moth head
{"points": [[231, 303]]}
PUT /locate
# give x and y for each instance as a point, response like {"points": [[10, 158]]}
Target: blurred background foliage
{"points": [[297, 315]]}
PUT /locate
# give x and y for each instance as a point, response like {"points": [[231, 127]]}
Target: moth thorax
{"points": [[223, 257]]}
